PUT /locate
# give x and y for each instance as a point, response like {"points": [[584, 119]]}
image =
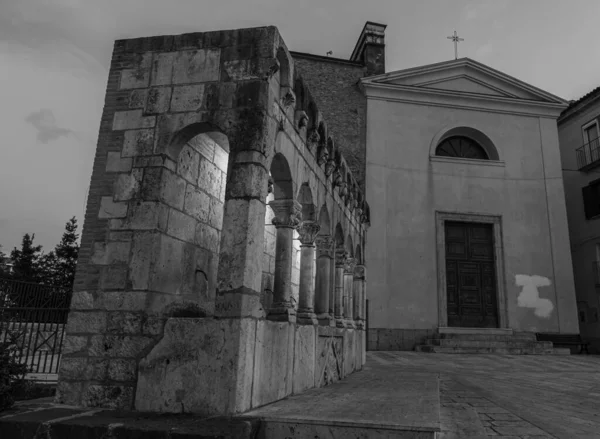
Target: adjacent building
{"points": [[578, 130], [468, 218]]}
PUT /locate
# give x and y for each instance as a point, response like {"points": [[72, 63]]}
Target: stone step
{"points": [[489, 337], [465, 331], [561, 351], [484, 350], [506, 343], [294, 429]]}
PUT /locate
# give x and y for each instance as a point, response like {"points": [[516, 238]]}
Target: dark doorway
{"points": [[470, 275]]}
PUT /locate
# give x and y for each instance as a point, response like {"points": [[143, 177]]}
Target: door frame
{"points": [[496, 220]]}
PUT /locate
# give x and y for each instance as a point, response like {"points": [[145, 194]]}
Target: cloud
{"points": [[45, 124]]}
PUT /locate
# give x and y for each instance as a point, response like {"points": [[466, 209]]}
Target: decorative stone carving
{"points": [[312, 140], [288, 213], [338, 179], [288, 99], [273, 68], [329, 167], [301, 119], [349, 264], [325, 245], [340, 257], [330, 360], [359, 272], [270, 185], [308, 231], [323, 155], [343, 189]]}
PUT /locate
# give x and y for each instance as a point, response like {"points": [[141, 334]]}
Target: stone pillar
{"points": [[359, 296], [306, 313], [287, 218], [323, 308], [349, 265], [340, 259]]}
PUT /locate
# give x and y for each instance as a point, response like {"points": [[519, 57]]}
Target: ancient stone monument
{"points": [[221, 265]]}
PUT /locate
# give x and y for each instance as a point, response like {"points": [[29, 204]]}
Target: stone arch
{"points": [[349, 246], [324, 221], [322, 130], [281, 176], [285, 68], [305, 198], [358, 254], [184, 135], [465, 131], [313, 115], [300, 94], [339, 236]]}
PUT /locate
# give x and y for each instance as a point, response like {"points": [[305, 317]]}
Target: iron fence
{"points": [[35, 315], [588, 154]]}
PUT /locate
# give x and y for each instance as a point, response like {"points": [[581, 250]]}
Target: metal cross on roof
{"points": [[456, 40]]}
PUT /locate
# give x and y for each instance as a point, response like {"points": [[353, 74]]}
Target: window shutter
{"points": [[591, 204]]}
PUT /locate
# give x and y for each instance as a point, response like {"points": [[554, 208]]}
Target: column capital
{"points": [[288, 213], [360, 272], [324, 246], [349, 265], [308, 231], [340, 257]]}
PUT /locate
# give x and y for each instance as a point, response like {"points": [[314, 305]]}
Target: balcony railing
{"points": [[588, 155]]}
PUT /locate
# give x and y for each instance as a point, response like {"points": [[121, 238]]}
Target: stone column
{"points": [[323, 307], [308, 232], [349, 265], [359, 299], [340, 259], [287, 218]]}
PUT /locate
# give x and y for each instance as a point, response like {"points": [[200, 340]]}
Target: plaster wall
{"points": [[584, 234], [405, 187]]}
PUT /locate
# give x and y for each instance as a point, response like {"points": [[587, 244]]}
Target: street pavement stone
{"points": [[510, 396]]}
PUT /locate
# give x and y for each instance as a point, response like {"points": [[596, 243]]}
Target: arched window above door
{"points": [[463, 142], [461, 147]]}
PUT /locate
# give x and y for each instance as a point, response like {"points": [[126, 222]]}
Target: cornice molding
{"points": [[454, 99]]}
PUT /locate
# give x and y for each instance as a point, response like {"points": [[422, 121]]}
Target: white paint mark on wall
{"points": [[530, 296]]}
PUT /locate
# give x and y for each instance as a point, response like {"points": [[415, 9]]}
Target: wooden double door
{"points": [[471, 275]]}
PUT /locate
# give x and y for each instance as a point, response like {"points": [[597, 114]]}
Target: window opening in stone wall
{"points": [[461, 147]]}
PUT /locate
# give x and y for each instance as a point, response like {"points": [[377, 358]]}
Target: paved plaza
{"points": [[508, 396]]}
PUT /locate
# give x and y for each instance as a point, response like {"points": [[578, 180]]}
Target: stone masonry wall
{"points": [[334, 84]]}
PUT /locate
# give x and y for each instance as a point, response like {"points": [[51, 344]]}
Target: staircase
{"points": [[488, 341]]}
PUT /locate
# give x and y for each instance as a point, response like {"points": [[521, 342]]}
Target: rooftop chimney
{"points": [[370, 48]]}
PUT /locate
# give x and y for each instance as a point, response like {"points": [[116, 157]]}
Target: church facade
{"points": [[469, 226]]}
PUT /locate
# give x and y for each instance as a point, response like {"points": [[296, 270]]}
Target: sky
{"points": [[55, 54]]}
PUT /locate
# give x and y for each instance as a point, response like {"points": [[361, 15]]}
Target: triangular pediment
{"points": [[464, 77]]}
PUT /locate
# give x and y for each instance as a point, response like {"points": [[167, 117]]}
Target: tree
{"points": [[26, 260], [66, 253]]}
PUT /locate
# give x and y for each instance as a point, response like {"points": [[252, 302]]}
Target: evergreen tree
{"points": [[26, 260], [65, 254]]}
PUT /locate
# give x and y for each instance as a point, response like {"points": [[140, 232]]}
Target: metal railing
{"points": [[36, 316], [588, 155]]}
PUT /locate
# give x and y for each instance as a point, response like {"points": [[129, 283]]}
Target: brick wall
{"points": [[334, 86]]}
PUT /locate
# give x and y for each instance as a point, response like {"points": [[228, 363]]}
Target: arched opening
{"points": [[300, 95], [281, 188], [305, 198], [465, 142], [349, 247], [358, 255], [324, 221], [284, 68], [194, 190]]}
